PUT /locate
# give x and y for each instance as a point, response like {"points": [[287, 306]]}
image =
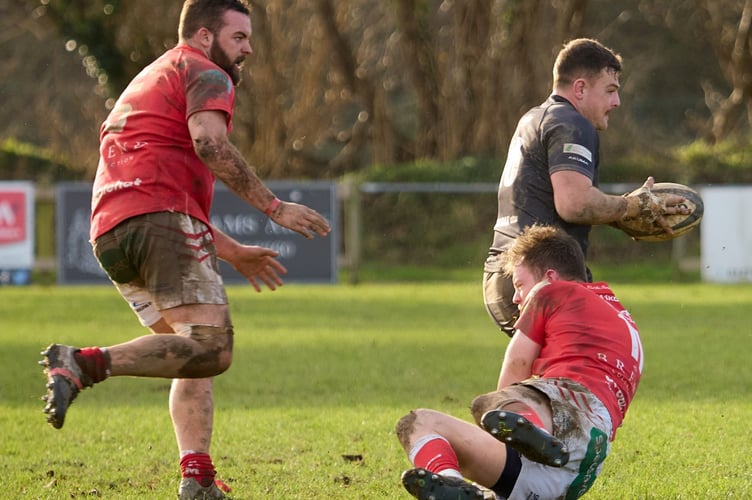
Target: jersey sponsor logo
{"points": [[579, 150], [117, 185], [596, 452]]}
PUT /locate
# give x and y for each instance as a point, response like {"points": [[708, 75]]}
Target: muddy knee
{"points": [[216, 354], [417, 423], [484, 403], [405, 427]]}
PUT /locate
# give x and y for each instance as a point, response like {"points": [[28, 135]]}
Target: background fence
{"points": [[422, 224]]}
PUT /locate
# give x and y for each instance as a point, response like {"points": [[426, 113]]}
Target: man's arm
{"points": [[518, 360], [209, 133], [208, 130], [579, 202]]}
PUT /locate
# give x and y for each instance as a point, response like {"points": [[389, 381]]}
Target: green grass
{"points": [[322, 373]]}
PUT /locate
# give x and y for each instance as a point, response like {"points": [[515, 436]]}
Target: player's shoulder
{"points": [[571, 288], [194, 62], [566, 285], [555, 120], [603, 290], [558, 113], [201, 71], [552, 295], [547, 289]]}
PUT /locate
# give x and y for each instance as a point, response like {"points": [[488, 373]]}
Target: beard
{"points": [[220, 58]]}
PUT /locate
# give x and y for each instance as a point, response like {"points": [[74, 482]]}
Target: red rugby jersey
{"points": [[587, 336], [147, 162]]}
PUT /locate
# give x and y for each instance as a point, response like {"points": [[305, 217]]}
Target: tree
{"points": [[46, 98], [334, 87], [726, 25], [729, 29], [359, 81]]}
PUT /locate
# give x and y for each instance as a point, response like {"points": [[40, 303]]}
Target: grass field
{"points": [[322, 373]]}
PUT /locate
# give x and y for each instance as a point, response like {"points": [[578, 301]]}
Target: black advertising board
{"points": [[307, 261]]}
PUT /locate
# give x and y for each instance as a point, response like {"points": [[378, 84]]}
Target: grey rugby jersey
{"points": [[550, 137]]}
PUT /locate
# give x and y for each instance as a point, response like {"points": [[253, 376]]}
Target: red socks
{"points": [[532, 417], [198, 466], [436, 455], [94, 362]]}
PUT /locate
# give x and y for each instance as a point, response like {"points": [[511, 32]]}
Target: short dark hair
{"points": [[541, 248], [197, 14], [584, 57]]}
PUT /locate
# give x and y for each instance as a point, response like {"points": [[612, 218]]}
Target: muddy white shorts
{"points": [[161, 260], [580, 421]]}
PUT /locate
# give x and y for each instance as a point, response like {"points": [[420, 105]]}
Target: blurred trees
{"points": [[334, 87], [726, 26], [46, 98]]}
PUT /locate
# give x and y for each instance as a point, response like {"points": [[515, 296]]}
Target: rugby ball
{"points": [[681, 224]]}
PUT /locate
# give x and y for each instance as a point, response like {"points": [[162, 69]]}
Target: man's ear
{"points": [[552, 275], [205, 37], [578, 87]]}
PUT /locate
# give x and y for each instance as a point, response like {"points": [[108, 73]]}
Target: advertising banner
{"points": [[16, 232], [310, 261], [726, 234]]}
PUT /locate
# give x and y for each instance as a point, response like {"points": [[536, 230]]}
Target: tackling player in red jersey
{"points": [[568, 376]]}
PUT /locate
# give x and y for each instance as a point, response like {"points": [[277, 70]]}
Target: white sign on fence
{"points": [[16, 232], [726, 234]]}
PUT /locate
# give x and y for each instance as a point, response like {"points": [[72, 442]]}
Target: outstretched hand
{"points": [[259, 264], [301, 219]]}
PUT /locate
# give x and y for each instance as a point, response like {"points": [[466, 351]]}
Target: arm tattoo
{"points": [[226, 162]]}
